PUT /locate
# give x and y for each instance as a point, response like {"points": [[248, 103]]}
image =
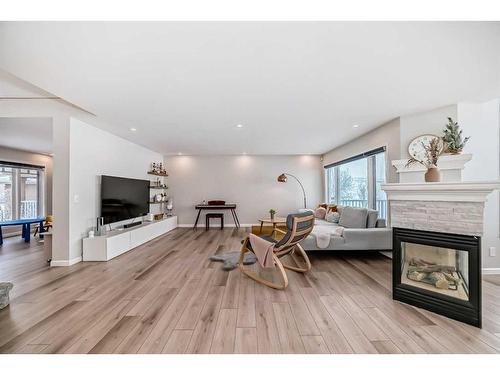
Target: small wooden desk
{"points": [[26, 223], [274, 222], [228, 206]]}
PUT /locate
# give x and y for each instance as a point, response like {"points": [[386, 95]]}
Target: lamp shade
{"points": [[282, 178]]}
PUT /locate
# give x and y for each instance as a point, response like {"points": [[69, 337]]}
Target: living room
{"points": [[249, 188]]}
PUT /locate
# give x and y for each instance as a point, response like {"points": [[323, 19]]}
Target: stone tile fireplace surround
{"points": [[437, 229], [452, 207]]}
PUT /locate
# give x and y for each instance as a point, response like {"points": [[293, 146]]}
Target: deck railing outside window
{"points": [[29, 209]]}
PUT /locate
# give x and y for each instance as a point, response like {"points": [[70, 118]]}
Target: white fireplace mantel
{"points": [[448, 207], [441, 191], [451, 167]]}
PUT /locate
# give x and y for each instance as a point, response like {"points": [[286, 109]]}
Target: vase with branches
{"points": [[433, 151]]}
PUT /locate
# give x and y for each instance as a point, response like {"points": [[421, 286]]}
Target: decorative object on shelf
{"points": [[282, 178], [433, 174], [5, 288], [452, 138], [100, 227], [429, 159], [158, 169], [272, 212], [157, 217], [158, 197], [416, 148], [170, 206]]}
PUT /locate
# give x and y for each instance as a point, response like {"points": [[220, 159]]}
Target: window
{"points": [[21, 191], [357, 181]]}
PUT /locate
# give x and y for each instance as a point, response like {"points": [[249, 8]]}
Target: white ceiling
{"points": [[297, 87], [27, 134]]}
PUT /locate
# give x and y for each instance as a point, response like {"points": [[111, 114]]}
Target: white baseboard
{"points": [[491, 271], [65, 263], [214, 225]]}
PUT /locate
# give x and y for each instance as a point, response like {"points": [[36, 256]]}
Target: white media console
{"points": [[116, 242]]}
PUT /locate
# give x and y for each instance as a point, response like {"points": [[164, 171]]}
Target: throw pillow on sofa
{"points": [[332, 217], [331, 208], [320, 213], [371, 221], [352, 217]]}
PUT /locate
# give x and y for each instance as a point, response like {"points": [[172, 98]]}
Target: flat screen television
{"points": [[123, 198]]}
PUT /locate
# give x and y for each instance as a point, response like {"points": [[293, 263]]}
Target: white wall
{"points": [[94, 152], [249, 181], [481, 121], [59, 112], [430, 122], [387, 135]]}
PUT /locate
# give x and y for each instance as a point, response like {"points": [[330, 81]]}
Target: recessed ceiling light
{"points": [[239, 126], [355, 126], [133, 129], [244, 153], [179, 153]]}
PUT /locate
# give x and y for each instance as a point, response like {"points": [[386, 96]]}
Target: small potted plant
{"points": [[452, 138], [433, 151], [272, 212]]}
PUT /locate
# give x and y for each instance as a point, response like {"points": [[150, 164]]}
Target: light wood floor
{"points": [[166, 297]]}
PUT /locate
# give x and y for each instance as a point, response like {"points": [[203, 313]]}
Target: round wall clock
{"points": [[416, 147]]}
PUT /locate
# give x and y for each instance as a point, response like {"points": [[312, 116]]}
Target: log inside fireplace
{"points": [[440, 272]]}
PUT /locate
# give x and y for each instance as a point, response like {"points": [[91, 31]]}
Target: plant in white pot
{"points": [[433, 151], [452, 138]]}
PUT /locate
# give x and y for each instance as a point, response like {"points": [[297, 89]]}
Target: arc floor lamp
{"points": [[283, 178]]}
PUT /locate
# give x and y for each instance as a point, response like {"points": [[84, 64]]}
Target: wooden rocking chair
{"points": [[299, 226]]}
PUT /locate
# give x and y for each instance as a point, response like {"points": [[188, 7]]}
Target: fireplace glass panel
{"points": [[437, 269]]}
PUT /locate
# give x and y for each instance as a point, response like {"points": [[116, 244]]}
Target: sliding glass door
{"points": [[356, 182]]}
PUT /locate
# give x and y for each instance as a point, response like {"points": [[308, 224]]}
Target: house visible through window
{"points": [[357, 181], [21, 191]]}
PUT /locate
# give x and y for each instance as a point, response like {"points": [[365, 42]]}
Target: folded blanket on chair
{"points": [[263, 250]]}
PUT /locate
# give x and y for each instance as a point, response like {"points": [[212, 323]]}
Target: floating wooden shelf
{"points": [[158, 174], [157, 202], [159, 187]]}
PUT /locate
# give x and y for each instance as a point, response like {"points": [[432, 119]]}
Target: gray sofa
{"points": [[370, 235]]}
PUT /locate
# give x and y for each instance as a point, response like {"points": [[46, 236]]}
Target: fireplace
{"points": [[440, 272]]}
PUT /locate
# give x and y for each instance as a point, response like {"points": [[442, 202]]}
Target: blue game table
{"points": [[26, 223]]}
